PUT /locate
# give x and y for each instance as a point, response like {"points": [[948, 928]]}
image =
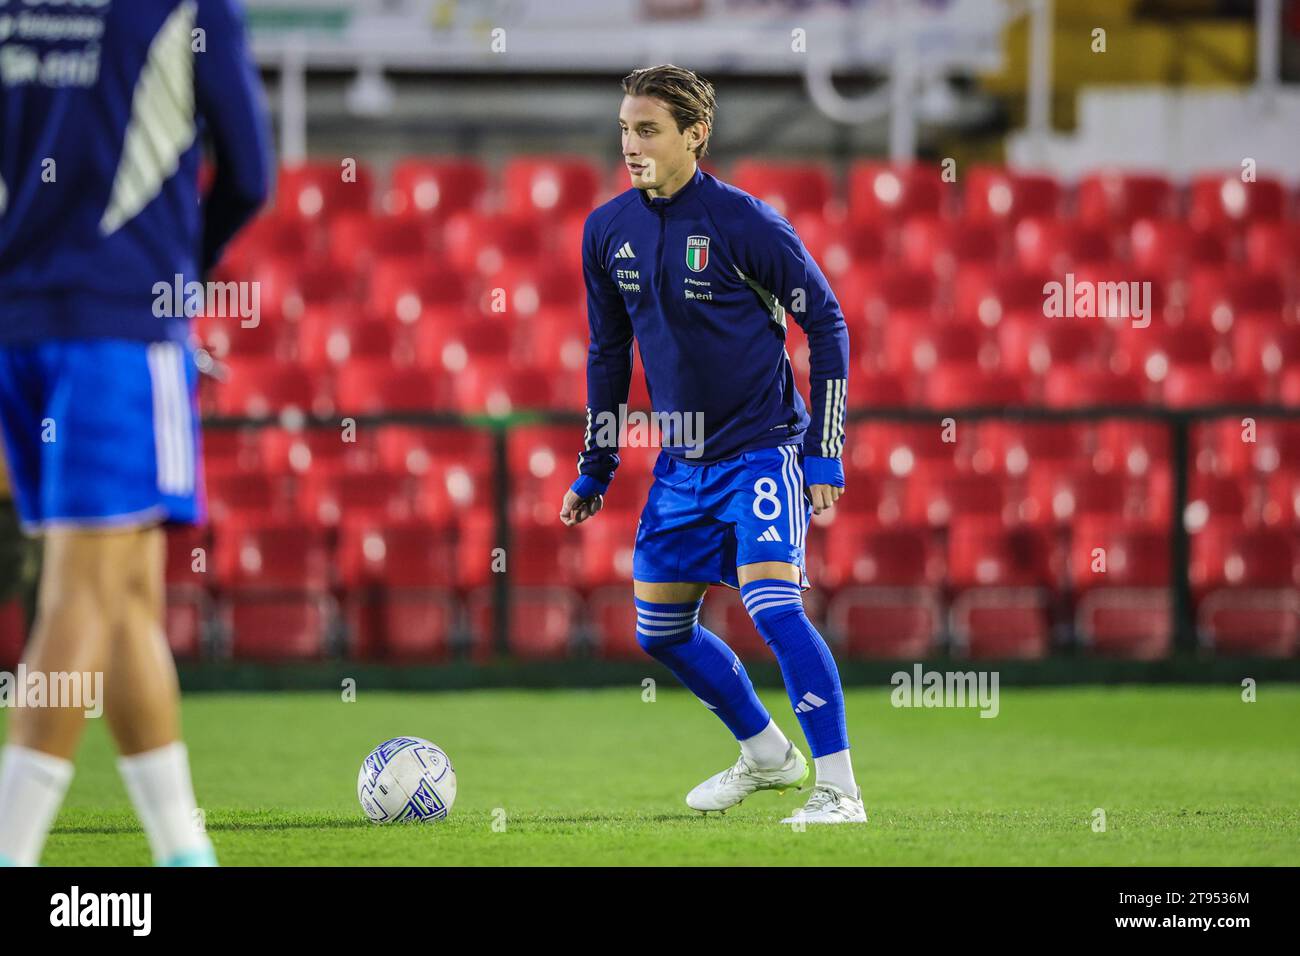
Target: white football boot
{"points": [[830, 804], [731, 786]]}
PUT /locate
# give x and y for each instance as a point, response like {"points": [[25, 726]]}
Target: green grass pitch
{"points": [[1185, 775]]}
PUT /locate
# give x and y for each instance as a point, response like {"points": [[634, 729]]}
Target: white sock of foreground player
{"points": [[160, 787], [837, 770], [32, 785], [767, 748]]}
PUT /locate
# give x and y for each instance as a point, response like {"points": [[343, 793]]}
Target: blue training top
{"points": [[103, 107], [704, 280]]}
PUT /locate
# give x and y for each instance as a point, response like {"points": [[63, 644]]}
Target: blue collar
{"points": [[660, 202]]}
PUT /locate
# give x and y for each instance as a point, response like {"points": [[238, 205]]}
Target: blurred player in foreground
{"points": [[99, 204], [704, 277]]}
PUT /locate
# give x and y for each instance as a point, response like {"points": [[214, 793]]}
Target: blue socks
{"points": [[811, 678], [672, 635]]}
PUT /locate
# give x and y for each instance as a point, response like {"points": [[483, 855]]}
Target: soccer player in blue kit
{"points": [[104, 110], [704, 276]]}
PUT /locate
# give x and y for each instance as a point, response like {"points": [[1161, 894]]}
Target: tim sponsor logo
{"points": [[75, 908]]}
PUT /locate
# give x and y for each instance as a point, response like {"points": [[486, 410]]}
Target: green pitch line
{"points": [[1185, 775]]}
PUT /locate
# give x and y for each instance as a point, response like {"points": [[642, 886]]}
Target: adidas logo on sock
{"points": [[771, 534], [625, 252], [809, 702]]}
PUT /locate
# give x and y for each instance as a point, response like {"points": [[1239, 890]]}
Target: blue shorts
{"points": [[701, 522], [101, 433]]}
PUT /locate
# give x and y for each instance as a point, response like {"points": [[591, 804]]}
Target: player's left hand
{"points": [[823, 496]]}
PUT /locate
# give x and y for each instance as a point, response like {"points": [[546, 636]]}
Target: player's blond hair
{"points": [[689, 97]]}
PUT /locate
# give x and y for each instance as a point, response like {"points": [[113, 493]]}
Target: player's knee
{"points": [[770, 604], [660, 626]]}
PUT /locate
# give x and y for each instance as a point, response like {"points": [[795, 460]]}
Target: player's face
{"points": [[654, 150]]}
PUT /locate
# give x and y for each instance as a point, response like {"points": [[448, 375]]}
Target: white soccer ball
{"points": [[406, 779]]}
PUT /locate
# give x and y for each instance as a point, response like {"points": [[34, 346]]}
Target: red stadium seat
{"points": [[270, 236], [1018, 447], [327, 450], [612, 614], [369, 386], [228, 450], [260, 386], [881, 191], [385, 498], [1121, 574], [543, 621], [412, 450], [839, 246], [987, 296], [1273, 247], [520, 289], [1057, 245], [1192, 387], [408, 290], [790, 188], [1247, 585], [996, 194], [1114, 197], [1224, 200], [724, 614], [964, 386], [254, 496], [359, 239], [189, 575], [1217, 297], [912, 346], [331, 337], [890, 607], [1069, 387], [1280, 507], [1263, 345], [607, 545], [545, 554], [275, 603], [402, 624], [1172, 247], [550, 185], [227, 335], [942, 246], [276, 627], [483, 244], [436, 186], [322, 189], [400, 604], [1002, 579], [270, 556], [889, 623], [1130, 447], [1028, 344]]}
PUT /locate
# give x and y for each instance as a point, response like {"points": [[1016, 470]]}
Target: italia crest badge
{"points": [[697, 253]]}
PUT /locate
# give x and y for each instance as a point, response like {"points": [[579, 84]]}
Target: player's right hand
{"points": [[576, 510]]}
